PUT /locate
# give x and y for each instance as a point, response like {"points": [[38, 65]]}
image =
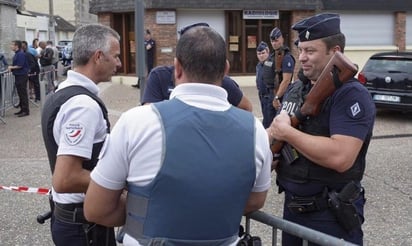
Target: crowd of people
{"points": [[30, 63], [187, 164]]}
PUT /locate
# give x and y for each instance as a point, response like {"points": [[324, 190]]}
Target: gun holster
{"points": [[343, 208]]}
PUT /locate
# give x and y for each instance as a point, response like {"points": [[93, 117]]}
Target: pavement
{"points": [[23, 162]]}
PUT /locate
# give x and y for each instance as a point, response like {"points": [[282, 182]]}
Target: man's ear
{"points": [[336, 48], [98, 54], [227, 67], [178, 69]]}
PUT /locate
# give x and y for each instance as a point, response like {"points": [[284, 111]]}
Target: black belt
{"points": [[70, 213]]}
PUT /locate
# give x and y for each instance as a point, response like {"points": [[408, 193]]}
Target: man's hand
{"points": [[279, 124], [276, 103]]}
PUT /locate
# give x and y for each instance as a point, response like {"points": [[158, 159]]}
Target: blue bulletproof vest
{"points": [[201, 189]]}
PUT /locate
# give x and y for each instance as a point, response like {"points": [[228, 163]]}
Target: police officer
{"points": [[150, 47], [20, 69], [322, 176], [74, 127], [265, 83], [161, 83], [194, 160], [285, 65]]}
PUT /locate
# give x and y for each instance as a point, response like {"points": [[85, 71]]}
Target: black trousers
{"points": [[21, 86], [70, 234]]}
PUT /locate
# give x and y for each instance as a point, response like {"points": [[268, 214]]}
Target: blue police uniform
{"points": [[150, 53], [349, 111], [160, 84], [265, 83], [68, 224], [21, 76]]}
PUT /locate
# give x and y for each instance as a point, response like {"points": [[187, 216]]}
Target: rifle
{"points": [[278, 66], [338, 70]]}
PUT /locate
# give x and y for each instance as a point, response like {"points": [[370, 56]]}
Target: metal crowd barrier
{"points": [[307, 234], [7, 93]]}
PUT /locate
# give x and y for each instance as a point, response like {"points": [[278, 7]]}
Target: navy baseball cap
{"points": [[262, 46], [275, 33], [318, 26]]}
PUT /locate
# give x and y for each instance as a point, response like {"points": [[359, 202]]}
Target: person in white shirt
{"points": [[194, 161], [74, 127]]}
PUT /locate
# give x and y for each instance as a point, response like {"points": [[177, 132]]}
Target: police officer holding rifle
{"points": [[326, 140]]}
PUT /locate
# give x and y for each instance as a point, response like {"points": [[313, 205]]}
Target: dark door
{"points": [[244, 35]]}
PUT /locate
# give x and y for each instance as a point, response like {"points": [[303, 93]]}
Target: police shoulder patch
{"points": [[355, 110], [73, 132]]}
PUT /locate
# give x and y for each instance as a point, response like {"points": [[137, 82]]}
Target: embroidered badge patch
{"points": [[268, 63], [73, 133], [355, 109]]}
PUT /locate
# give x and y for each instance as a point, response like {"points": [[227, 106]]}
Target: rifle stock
{"points": [[324, 87]]}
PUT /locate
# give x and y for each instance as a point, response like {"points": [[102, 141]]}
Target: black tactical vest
{"points": [[268, 74], [303, 170], [50, 110]]}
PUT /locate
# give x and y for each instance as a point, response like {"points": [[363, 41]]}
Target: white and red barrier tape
{"points": [[42, 191]]}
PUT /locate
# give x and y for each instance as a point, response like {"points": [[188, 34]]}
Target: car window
{"points": [[388, 65]]}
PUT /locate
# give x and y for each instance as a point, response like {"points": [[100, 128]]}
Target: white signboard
{"points": [[165, 17], [261, 14]]}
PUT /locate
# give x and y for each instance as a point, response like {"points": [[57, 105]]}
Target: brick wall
{"points": [[105, 19], [165, 36], [297, 16], [400, 30]]}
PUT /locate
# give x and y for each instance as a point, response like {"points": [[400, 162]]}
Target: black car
{"points": [[388, 77]]}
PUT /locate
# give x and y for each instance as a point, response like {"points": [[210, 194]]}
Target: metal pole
{"points": [[51, 22], [140, 48]]}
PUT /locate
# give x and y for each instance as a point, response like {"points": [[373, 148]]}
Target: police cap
{"points": [[262, 46], [318, 26], [275, 33]]}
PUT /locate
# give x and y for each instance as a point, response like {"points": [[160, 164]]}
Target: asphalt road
{"points": [[23, 162]]}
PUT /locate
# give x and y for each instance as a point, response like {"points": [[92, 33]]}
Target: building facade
{"points": [[74, 11], [8, 22], [386, 25]]}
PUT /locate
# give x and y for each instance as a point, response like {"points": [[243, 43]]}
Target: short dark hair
{"points": [[202, 53], [337, 39], [17, 43]]}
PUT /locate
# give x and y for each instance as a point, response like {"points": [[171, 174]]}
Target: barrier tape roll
{"points": [[41, 191]]}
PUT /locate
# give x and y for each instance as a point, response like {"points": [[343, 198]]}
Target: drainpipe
{"points": [[140, 49], [51, 22]]}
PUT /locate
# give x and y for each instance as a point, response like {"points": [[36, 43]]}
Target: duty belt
{"points": [[70, 213], [309, 204]]}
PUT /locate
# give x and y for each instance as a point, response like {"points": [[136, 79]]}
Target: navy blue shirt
{"points": [[19, 59], [160, 84]]}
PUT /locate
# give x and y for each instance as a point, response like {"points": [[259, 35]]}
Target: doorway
{"points": [[244, 35]]}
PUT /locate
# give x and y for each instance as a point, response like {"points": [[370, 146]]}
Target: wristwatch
{"points": [[276, 98]]}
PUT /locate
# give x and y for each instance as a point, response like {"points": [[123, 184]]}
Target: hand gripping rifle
{"points": [[338, 70]]}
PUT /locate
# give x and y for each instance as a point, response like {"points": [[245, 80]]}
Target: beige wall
{"points": [[64, 8]]}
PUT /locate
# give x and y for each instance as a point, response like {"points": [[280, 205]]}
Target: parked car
{"points": [[388, 77], [61, 45]]}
